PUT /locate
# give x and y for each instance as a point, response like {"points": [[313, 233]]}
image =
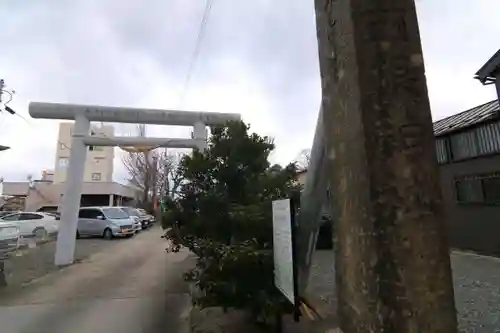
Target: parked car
{"points": [[134, 213], [39, 225], [108, 222], [9, 238], [137, 221], [55, 214], [145, 214], [137, 224]]}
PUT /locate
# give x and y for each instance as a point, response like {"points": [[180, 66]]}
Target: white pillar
{"points": [[111, 200], [65, 248], [200, 133]]}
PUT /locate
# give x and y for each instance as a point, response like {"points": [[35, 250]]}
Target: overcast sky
{"points": [[258, 58]]}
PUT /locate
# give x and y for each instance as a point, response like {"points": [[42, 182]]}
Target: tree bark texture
{"points": [[392, 254]]}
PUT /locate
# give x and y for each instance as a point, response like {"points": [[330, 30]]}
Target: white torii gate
{"points": [[81, 138]]}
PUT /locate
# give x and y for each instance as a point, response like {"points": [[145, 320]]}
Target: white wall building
{"points": [[99, 162], [98, 187]]}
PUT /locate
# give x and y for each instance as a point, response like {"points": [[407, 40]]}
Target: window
{"points": [[443, 150], [97, 160], [491, 189], [30, 216], [96, 177], [464, 145], [469, 190], [130, 211], [488, 138], [481, 140], [94, 148], [89, 213], [115, 213], [478, 189], [63, 162], [13, 217]]}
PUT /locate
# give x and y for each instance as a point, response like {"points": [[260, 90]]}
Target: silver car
{"points": [[108, 222]]}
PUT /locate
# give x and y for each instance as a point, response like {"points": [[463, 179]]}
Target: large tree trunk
{"points": [[392, 257]]}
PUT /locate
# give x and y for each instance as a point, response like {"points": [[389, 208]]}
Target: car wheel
{"points": [[78, 235], [40, 234], [108, 234]]}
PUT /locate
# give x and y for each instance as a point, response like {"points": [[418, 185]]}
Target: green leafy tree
{"points": [[223, 213]]}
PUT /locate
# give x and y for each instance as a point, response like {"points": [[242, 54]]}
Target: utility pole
{"points": [[3, 279], [2, 86], [392, 257]]}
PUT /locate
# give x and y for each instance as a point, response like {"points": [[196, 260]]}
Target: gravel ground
{"points": [[31, 263], [476, 280]]}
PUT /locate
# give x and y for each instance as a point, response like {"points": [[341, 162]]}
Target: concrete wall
{"points": [[99, 163], [471, 226]]}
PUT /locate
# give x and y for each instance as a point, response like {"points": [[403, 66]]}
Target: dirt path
{"points": [[132, 286]]}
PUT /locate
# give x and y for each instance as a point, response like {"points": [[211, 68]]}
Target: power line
{"points": [[33, 126], [197, 49]]}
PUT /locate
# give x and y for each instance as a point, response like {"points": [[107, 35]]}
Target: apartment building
{"points": [[46, 193], [99, 162]]}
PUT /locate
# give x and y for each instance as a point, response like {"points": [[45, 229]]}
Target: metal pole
{"points": [[65, 249], [2, 86], [392, 258]]}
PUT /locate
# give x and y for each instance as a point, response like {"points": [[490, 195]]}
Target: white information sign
{"points": [[283, 249]]}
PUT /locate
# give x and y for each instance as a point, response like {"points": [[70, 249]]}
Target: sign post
{"points": [[284, 249]]}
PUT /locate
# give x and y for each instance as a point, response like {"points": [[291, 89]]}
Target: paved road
{"points": [[476, 281], [131, 286]]}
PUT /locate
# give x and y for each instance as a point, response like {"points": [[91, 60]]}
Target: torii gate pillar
{"points": [[65, 247]]}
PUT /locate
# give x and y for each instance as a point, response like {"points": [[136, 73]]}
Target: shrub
{"points": [[223, 214]]}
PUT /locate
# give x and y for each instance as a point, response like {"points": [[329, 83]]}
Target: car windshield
{"points": [[114, 213], [2, 214], [141, 211], [11, 217], [130, 211]]}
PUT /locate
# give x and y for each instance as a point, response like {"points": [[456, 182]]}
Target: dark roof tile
{"points": [[467, 118]]}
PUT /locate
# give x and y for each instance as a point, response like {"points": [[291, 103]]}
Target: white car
{"points": [[39, 225], [9, 237]]}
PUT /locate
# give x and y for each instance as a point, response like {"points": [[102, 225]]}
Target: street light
{"points": [[2, 148]]}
